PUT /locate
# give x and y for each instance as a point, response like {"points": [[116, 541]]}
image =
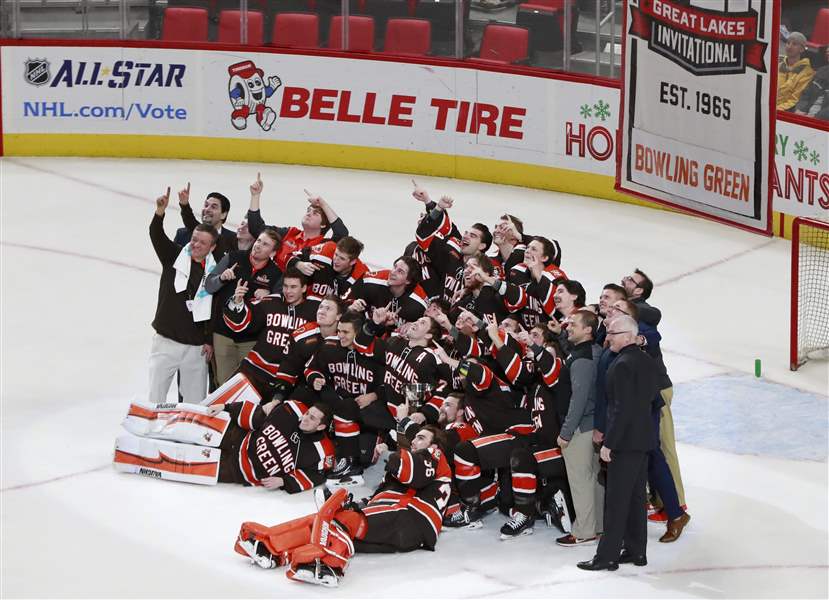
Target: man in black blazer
{"points": [[632, 385]]}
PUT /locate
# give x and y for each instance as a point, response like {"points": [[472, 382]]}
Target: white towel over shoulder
{"points": [[203, 300]]}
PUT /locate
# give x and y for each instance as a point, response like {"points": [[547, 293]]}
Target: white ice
{"points": [[79, 282]]}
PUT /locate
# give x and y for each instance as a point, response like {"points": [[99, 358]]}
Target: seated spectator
{"points": [[814, 101], [794, 72]]}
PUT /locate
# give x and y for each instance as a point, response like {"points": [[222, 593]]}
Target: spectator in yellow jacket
{"points": [[793, 73]]}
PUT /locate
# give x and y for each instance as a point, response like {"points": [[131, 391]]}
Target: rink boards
{"points": [[550, 131]]}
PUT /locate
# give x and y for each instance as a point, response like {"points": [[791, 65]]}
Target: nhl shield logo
{"points": [[37, 71]]}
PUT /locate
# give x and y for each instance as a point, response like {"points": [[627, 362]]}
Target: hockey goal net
{"points": [[810, 291]]}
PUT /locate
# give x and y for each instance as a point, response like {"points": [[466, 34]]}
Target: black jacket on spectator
{"points": [[227, 238], [631, 386], [172, 319], [650, 315], [814, 101]]}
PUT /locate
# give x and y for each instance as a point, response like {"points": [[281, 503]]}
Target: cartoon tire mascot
{"points": [[249, 94]]}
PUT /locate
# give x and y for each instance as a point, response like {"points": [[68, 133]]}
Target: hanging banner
{"points": [[698, 106]]}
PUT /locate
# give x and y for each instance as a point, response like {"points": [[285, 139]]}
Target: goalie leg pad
{"points": [[281, 539], [236, 389], [335, 552], [190, 423], [330, 541], [166, 460]]}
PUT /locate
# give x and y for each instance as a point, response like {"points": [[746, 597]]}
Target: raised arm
{"points": [[164, 247], [338, 228], [188, 218], [255, 222]]}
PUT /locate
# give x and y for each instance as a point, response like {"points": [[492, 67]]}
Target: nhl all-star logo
{"points": [[37, 71]]}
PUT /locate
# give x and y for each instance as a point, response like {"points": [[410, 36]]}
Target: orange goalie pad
{"points": [[330, 541], [280, 540], [306, 539]]}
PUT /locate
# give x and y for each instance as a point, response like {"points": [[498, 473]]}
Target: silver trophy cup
{"points": [[417, 395]]}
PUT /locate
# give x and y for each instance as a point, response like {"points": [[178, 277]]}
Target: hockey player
{"points": [[473, 337], [255, 267], [274, 318], [397, 288], [525, 453], [332, 267], [305, 342], [508, 239], [277, 446], [350, 380], [318, 219], [484, 295], [403, 515], [569, 298], [538, 274], [446, 252], [409, 358]]}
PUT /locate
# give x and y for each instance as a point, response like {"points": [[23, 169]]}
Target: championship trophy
{"points": [[417, 394]]}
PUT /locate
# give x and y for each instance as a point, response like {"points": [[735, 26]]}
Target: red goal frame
{"points": [[796, 224]]}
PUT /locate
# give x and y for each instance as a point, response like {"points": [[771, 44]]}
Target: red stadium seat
{"points": [[408, 36], [229, 27], [184, 25], [360, 34], [296, 30], [504, 44], [820, 34], [552, 6]]}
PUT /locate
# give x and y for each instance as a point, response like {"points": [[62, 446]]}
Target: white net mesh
{"points": [[812, 304]]}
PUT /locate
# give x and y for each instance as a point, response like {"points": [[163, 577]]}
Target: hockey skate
{"points": [[520, 524], [555, 513], [461, 520], [257, 552], [346, 473], [468, 516], [317, 573], [322, 494]]}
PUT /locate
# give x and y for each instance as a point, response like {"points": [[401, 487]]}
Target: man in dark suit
{"points": [[631, 386]]}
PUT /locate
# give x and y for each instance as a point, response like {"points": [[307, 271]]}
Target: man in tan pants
{"points": [[668, 440], [576, 437]]}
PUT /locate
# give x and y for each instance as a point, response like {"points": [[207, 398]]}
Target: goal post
{"points": [[810, 291]]}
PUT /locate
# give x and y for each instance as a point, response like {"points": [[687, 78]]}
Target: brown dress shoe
{"points": [[675, 528]]}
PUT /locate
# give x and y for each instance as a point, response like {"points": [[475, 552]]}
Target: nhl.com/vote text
{"points": [[133, 110]]}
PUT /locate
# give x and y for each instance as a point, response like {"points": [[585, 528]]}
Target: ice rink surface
{"points": [[79, 285]]}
